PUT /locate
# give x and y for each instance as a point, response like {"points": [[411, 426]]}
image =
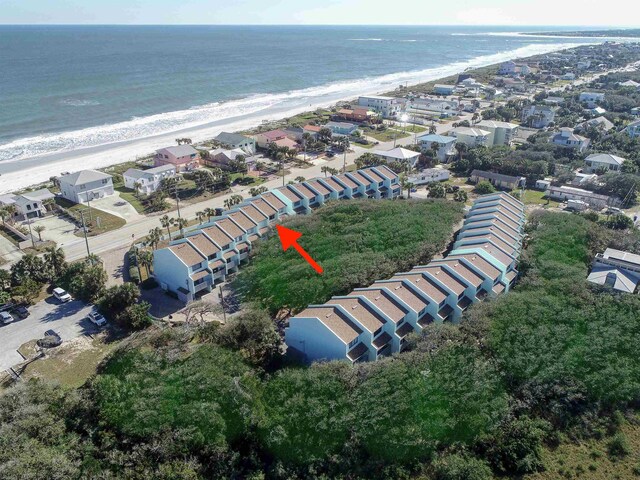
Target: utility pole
{"points": [[282, 168], [33, 242], [84, 229], [224, 313], [177, 198], [89, 206], [344, 162]]}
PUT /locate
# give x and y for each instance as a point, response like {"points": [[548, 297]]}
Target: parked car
{"points": [[61, 295], [6, 317], [97, 319], [21, 311]]}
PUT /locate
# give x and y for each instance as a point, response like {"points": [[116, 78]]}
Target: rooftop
{"points": [[185, 252], [361, 312], [383, 301], [334, 320], [84, 176]]}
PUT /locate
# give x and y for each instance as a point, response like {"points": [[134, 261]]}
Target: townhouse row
{"points": [[375, 321], [193, 265]]}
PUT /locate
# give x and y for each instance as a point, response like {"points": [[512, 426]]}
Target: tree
{"points": [[136, 189], [200, 216], [153, 237], [437, 190], [461, 148], [433, 129], [39, 229], [460, 196], [233, 200], [209, 212], [181, 223], [325, 134], [299, 179], [5, 279], [136, 316], [55, 259], [166, 222], [484, 187], [619, 221], [255, 191], [118, 298], [29, 267], [27, 291], [328, 170], [145, 257]]}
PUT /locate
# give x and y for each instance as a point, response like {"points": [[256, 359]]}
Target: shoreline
{"points": [[25, 173]]}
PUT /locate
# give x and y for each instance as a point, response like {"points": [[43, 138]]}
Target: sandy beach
{"points": [[25, 172]]}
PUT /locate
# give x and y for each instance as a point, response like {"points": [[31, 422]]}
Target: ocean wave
{"points": [[251, 109], [73, 102]]}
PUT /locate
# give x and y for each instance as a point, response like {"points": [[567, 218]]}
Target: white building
{"points": [[85, 185], [591, 99], [502, 133], [147, 181], [599, 123], [616, 269], [472, 137], [537, 116], [429, 175], [28, 204], [606, 161], [446, 145], [566, 138], [398, 154], [594, 200], [388, 107], [441, 89], [633, 129]]}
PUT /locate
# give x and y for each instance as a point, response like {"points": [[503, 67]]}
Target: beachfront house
{"points": [[341, 129], [388, 107], [566, 138], [398, 154], [223, 158], [591, 99], [501, 133], [278, 137], [85, 185], [235, 140], [147, 181], [606, 162], [28, 204], [445, 146], [537, 116], [602, 124], [429, 175], [472, 137], [355, 114], [498, 180], [441, 89], [183, 157], [633, 129]]}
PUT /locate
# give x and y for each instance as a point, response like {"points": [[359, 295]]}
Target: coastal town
{"points": [[434, 281]]}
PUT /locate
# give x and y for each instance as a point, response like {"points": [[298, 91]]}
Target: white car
{"points": [[5, 317], [61, 295], [97, 319]]}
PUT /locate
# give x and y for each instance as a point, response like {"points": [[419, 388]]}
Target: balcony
{"points": [[381, 341], [445, 313], [425, 320], [404, 330], [358, 353], [464, 303]]}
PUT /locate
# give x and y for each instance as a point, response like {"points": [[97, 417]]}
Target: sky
{"points": [[324, 12]]}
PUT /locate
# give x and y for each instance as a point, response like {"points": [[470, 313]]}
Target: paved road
{"points": [[67, 319]]}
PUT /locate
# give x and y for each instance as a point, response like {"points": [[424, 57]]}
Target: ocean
{"points": [[65, 88]]}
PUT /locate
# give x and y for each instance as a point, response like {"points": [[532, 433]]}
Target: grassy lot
{"points": [[108, 221], [9, 235], [537, 197], [73, 362], [591, 460], [127, 194]]}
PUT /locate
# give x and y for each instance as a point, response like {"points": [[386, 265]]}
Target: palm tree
{"points": [[39, 229], [145, 258], [181, 223], [461, 149], [48, 204], [166, 223], [260, 167], [408, 185], [4, 214], [153, 238], [93, 259], [433, 129], [136, 189], [54, 258], [209, 212], [299, 179], [475, 118], [11, 211], [200, 216]]}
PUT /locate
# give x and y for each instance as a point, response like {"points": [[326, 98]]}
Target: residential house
{"points": [[498, 180], [617, 269], [182, 157], [342, 128], [372, 322], [633, 129], [591, 99], [28, 204], [603, 161], [570, 76], [554, 101], [278, 137], [222, 158], [355, 114], [581, 179], [85, 185], [235, 140], [429, 175], [594, 200], [445, 145], [599, 123], [566, 138], [147, 181], [595, 111], [537, 116], [635, 111], [398, 154], [472, 137], [441, 89], [501, 133], [312, 130], [630, 84], [388, 107]]}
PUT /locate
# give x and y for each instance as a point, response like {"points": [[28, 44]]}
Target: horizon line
{"points": [[603, 27]]}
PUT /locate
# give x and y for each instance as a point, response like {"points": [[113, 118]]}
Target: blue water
{"points": [[68, 87]]}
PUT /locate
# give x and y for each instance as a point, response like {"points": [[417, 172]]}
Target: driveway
{"points": [[117, 206], [67, 319], [8, 251], [58, 229]]}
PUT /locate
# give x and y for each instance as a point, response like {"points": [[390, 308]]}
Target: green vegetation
{"points": [[98, 221], [356, 243], [130, 196]]}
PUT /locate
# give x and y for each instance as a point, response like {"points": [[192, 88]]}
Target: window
{"points": [[400, 323], [28, 207], [442, 303], [352, 342], [377, 332], [238, 238]]}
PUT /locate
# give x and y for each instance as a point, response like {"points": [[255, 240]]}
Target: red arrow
{"points": [[289, 238]]}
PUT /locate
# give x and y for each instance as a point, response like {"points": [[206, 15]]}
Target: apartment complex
{"points": [[194, 264], [375, 321]]}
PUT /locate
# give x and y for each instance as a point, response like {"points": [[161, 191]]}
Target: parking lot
{"points": [[67, 319]]}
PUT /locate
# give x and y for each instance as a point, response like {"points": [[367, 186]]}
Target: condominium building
{"points": [[207, 253], [375, 321]]}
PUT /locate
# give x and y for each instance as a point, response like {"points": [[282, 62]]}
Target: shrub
{"points": [[484, 187], [134, 275], [461, 467], [618, 446]]}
